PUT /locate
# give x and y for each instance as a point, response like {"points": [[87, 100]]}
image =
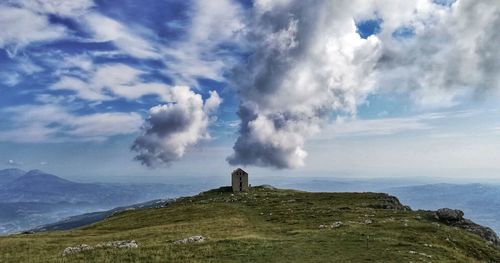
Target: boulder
{"points": [[451, 215]]}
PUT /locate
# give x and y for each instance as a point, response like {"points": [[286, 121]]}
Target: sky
{"points": [[100, 90]]}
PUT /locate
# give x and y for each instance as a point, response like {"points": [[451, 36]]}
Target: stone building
{"points": [[239, 180]]}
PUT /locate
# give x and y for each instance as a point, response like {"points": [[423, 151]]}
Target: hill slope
{"points": [[264, 225]]}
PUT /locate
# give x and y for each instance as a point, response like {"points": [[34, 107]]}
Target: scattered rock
{"points": [[118, 244], [367, 221], [336, 224], [77, 249], [191, 239], [110, 244], [425, 255]]}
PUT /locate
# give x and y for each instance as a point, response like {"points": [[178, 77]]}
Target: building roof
{"points": [[239, 170]]}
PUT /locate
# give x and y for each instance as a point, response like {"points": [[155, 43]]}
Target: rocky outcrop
{"points": [[449, 215], [386, 201], [191, 239], [455, 217]]}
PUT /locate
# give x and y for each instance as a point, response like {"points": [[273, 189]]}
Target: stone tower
{"points": [[239, 180]]}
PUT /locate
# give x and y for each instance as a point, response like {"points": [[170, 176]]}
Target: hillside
{"points": [[263, 225]]}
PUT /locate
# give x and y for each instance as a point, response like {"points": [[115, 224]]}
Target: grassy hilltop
{"points": [[263, 225]]}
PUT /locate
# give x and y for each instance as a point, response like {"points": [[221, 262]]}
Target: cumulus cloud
{"points": [[451, 56], [171, 129], [306, 61]]}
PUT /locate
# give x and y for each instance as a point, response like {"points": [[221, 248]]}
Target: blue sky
{"points": [[97, 90]]}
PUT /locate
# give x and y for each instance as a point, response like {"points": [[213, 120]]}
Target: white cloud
{"points": [[213, 23], [51, 123], [10, 79], [111, 81], [172, 128], [377, 127], [452, 56], [20, 27], [58, 7], [129, 41]]}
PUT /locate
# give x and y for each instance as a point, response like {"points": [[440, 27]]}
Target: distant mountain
{"points": [[9, 175], [479, 201], [38, 186], [30, 199], [39, 181]]}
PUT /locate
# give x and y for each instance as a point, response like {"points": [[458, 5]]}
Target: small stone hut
{"points": [[239, 180]]}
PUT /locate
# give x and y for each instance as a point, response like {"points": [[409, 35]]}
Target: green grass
{"points": [[262, 226]]}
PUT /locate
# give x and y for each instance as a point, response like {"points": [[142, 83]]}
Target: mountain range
{"points": [[33, 198]]}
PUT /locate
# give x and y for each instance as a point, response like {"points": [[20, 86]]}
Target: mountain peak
{"points": [[35, 172], [36, 179]]}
